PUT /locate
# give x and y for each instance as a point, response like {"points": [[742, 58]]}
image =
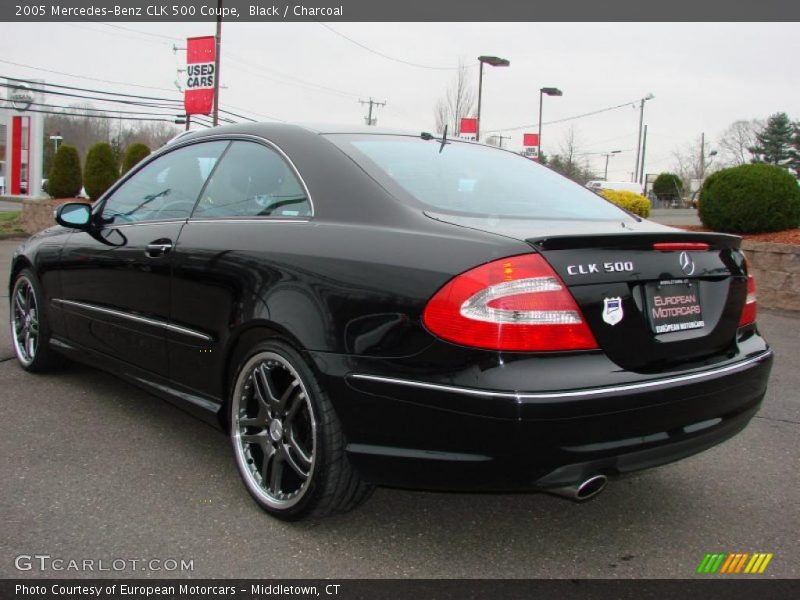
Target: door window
{"points": [[167, 188], [253, 181]]}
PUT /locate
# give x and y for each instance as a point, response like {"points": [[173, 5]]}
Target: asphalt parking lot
{"points": [[93, 468]]}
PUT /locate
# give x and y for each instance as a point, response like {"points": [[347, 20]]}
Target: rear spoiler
{"points": [[634, 241]]}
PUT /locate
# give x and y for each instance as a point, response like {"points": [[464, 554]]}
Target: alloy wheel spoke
{"points": [[297, 457], [276, 472], [30, 344], [252, 422], [22, 300], [253, 438], [267, 464], [287, 394], [260, 388], [294, 407], [19, 303]]}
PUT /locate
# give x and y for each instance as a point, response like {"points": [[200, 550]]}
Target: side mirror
{"points": [[75, 215]]}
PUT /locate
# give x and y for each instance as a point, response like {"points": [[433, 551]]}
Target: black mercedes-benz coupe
{"points": [[375, 308]]}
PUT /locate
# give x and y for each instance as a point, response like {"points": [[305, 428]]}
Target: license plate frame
{"points": [[673, 306]]}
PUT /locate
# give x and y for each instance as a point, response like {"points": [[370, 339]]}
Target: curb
{"points": [[15, 235]]}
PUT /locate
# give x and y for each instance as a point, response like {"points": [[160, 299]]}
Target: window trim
{"points": [[97, 210], [281, 154], [99, 207]]}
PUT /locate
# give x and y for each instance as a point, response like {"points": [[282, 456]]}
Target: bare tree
{"points": [[691, 164], [458, 102], [737, 139], [570, 161], [83, 127]]}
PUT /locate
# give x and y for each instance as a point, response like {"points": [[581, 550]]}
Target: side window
{"points": [[253, 181], [167, 188]]}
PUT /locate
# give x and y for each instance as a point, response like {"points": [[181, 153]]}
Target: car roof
{"points": [[268, 129]]}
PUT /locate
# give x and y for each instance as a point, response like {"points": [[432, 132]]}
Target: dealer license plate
{"points": [[674, 305]]}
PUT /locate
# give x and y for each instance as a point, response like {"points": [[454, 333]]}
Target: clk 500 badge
{"points": [[612, 310], [620, 266]]}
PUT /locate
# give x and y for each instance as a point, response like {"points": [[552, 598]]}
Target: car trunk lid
{"points": [[654, 297]]}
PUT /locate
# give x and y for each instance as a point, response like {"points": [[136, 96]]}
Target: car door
{"points": [[230, 254], [116, 277]]}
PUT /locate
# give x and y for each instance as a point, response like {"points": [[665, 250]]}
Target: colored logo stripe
{"points": [[736, 562]]}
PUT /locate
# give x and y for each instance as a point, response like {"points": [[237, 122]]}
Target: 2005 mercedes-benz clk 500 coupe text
{"points": [[376, 308]]}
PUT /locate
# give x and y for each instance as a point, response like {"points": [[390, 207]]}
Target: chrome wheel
{"points": [[274, 430], [24, 321]]}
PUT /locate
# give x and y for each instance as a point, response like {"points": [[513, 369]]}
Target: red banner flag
{"points": [[200, 76], [530, 139], [469, 125]]}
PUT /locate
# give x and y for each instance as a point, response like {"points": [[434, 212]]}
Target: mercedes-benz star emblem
{"points": [[687, 264]]}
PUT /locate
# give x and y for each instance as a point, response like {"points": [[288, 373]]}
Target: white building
{"points": [[21, 138]]}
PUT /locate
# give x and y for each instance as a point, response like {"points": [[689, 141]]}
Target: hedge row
{"points": [[100, 173], [630, 201]]}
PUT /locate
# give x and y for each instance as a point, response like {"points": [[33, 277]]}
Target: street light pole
{"points": [[639, 138], [493, 61], [480, 87], [550, 91], [56, 138], [608, 155]]}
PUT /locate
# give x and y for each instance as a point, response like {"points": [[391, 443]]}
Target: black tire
{"points": [[30, 330], [282, 421]]}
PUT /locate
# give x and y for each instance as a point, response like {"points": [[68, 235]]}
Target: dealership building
{"points": [[21, 138]]}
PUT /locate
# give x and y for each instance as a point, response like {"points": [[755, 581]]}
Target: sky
{"points": [[703, 76]]}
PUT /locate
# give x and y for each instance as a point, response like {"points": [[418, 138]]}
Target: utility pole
{"points": [[369, 120], [215, 120], [639, 138], [500, 139], [702, 170], [644, 147]]}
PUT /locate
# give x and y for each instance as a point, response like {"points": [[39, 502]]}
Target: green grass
{"points": [[9, 221]]}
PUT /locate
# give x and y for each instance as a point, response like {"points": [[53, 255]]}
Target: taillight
{"points": [[515, 303], [750, 304]]}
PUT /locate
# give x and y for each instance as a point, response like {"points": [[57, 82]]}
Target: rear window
{"points": [[471, 179]]}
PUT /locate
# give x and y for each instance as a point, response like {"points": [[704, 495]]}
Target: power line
{"points": [[175, 104], [61, 86], [112, 117], [151, 34], [101, 110], [16, 64], [386, 56], [588, 114], [94, 91], [299, 82]]}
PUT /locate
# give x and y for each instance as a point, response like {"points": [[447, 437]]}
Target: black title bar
{"points": [[399, 11], [701, 588]]}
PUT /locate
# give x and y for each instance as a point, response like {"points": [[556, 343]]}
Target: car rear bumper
{"points": [[411, 433]]}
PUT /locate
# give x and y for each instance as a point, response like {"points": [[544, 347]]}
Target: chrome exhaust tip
{"points": [[584, 490]]}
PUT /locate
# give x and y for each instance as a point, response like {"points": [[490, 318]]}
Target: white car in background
{"points": [[628, 186]]}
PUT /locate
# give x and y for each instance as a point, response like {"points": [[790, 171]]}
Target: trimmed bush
{"points": [[630, 201], [135, 153], [65, 175], [667, 186], [750, 199], [100, 171]]}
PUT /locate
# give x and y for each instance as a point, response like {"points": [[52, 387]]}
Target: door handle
{"points": [[158, 248]]}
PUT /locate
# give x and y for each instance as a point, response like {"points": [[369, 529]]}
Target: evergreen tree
{"points": [[65, 176], [774, 143], [100, 171]]}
